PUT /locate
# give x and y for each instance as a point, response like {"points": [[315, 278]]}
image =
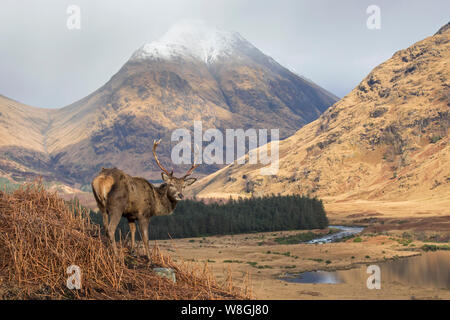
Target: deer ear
{"points": [[189, 181], [164, 176]]}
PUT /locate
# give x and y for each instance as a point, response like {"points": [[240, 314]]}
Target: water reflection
{"points": [[431, 269], [316, 277]]}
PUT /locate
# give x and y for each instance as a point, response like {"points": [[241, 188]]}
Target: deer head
{"points": [[175, 185]]}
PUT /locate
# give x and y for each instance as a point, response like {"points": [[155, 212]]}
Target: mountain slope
{"points": [[194, 72], [23, 143], [386, 140]]}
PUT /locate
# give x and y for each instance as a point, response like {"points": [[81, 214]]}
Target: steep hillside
{"points": [[194, 72], [23, 143], [387, 140]]}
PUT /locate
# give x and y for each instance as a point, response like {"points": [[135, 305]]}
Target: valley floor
{"points": [[389, 225], [389, 212], [266, 262]]}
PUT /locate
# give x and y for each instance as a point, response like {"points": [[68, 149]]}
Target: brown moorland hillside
{"points": [[382, 148], [40, 237], [23, 142]]}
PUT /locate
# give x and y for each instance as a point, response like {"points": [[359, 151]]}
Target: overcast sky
{"points": [[43, 63]]}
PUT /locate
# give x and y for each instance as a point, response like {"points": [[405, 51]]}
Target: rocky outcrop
{"points": [[388, 139]]}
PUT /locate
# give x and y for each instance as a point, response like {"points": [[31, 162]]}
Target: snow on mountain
{"points": [[193, 39], [193, 72]]}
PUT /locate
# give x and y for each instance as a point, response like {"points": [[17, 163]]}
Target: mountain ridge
{"points": [[148, 98], [387, 140]]}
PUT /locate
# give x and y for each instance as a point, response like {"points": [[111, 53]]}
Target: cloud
{"points": [[44, 64]]}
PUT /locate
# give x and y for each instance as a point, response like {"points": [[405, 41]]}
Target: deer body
{"points": [[118, 194]]}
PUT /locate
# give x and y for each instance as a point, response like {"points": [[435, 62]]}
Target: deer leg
{"points": [[143, 225], [113, 222], [105, 220], [133, 233]]}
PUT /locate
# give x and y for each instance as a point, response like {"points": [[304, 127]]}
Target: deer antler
{"points": [[189, 172], [155, 144]]}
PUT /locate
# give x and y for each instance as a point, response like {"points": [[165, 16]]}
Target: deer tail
{"points": [[101, 186]]}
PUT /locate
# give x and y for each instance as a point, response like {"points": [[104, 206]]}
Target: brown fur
{"points": [[118, 194], [102, 184]]}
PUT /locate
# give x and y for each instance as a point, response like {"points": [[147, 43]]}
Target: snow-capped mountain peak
{"points": [[194, 39]]}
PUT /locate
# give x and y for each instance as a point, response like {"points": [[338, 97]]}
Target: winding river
{"points": [[430, 269], [344, 232]]}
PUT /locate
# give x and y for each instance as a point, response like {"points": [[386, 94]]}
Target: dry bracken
{"points": [[41, 236]]}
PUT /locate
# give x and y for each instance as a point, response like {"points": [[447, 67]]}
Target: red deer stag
{"points": [[118, 194]]}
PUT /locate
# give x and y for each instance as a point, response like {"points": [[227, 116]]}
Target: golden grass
{"points": [[40, 237]]}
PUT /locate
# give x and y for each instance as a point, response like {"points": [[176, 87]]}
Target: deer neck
{"points": [[167, 205]]}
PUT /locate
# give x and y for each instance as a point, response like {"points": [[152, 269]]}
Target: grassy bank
{"points": [[40, 237]]}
